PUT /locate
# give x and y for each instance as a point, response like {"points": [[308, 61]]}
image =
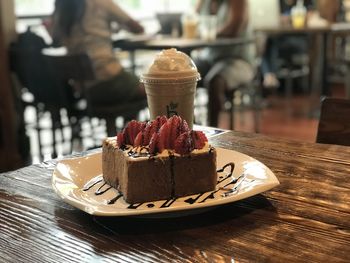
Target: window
{"points": [[34, 7], [142, 9], [137, 8], [34, 10]]}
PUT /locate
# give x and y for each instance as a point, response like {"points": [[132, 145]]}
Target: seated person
{"points": [[280, 50], [83, 26], [224, 68]]}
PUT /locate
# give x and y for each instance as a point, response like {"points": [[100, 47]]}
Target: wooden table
{"points": [[183, 44], [318, 49], [305, 219], [159, 42]]}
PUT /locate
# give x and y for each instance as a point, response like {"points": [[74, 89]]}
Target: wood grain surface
{"points": [[305, 219]]}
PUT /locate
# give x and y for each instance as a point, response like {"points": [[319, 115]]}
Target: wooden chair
{"points": [[334, 125], [29, 67], [253, 90], [78, 68], [289, 74]]}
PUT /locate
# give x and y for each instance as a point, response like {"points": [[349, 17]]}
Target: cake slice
{"points": [[159, 160]]}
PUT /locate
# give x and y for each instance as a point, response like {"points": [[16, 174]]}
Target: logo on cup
{"points": [[171, 109]]}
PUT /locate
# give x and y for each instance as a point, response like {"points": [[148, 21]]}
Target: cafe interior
{"points": [[174, 131], [299, 52]]}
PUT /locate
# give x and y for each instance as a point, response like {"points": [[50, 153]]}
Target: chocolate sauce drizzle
{"points": [[134, 206], [115, 199], [143, 152], [172, 174], [101, 191], [92, 183], [104, 187], [235, 189], [232, 167], [168, 202], [192, 200], [227, 176]]}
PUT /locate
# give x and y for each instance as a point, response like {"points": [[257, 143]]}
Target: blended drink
{"points": [[170, 85]]}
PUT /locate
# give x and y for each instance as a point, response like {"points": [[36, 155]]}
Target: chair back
{"points": [[77, 67], [29, 66], [334, 125], [72, 72]]}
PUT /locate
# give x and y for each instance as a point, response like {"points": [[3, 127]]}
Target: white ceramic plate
{"points": [[72, 177]]}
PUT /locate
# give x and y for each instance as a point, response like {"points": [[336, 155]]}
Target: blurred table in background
{"points": [[159, 42], [319, 46]]}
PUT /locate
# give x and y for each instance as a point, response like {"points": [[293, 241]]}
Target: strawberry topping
{"points": [[153, 145], [151, 128], [174, 126], [184, 143], [139, 139], [130, 132], [120, 139], [161, 134], [163, 142], [199, 139]]}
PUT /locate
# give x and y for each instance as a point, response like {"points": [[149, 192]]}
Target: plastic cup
{"points": [[298, 15], [207, 27], [189, 26], [298, 21], [169, 95]]}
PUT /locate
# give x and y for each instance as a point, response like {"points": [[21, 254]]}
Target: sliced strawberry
{"points": [[161, 119], [120, 140], [139, 139], [151, 128], [131, 130], [174, 126], [184, 144], [202, 136], [153, 145], [199, 139], [147, 134], [126, 133], [184, 126], [163, 142], [143, 125], [134, 130]]}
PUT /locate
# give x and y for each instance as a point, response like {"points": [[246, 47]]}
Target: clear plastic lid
{"points": [[171, 63]]}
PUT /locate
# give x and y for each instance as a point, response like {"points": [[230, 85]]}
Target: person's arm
{"points": [[119, 15], [328, 9], [237, 20], [52, 28]]}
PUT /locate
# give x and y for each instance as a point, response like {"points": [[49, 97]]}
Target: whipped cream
{"points": [[172, 61]]}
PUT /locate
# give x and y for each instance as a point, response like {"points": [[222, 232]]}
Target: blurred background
{"points": [[301, 54]]}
